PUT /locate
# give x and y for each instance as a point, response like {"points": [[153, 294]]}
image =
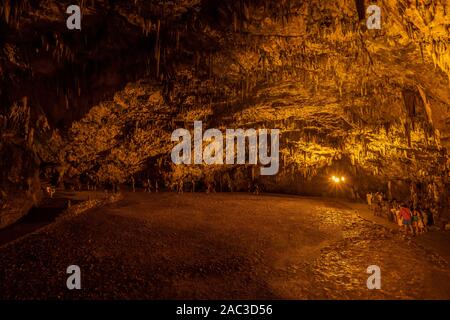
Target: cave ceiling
{"points": [[104, 100]]}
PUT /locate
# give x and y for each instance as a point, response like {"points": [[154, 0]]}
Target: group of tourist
{"points": [[410, 217]]}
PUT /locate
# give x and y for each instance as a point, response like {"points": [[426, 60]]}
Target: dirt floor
{"points": [[224, 246]]}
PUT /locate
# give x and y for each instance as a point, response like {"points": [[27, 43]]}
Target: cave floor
{"points": [[222, 246]]}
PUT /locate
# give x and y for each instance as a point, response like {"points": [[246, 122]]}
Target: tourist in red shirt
{"points": [[406, 215]]}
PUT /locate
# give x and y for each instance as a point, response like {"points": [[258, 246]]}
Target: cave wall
{"points": [[100, 104]]}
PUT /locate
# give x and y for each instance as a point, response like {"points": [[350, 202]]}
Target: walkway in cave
{"points": [[202, 246]]}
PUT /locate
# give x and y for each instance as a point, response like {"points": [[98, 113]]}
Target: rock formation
{"points": [[98, 105]]}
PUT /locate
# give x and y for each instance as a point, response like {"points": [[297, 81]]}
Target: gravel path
{"points": [[221, 246]]}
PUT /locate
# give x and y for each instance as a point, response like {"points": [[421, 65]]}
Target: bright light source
{"points": [[336, 179]]}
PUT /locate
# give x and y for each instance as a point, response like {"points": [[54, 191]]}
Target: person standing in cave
{"points": [[369, 200], [229, 183], [399, 218], [406, 216], [389, 207], [393, 210], [78, 184], [377, 204], [420, 224], [256, 189], [96, 183], [180, 186], [424, 219], [381, 204], [380, 197], [384, 209], [145, 185]]}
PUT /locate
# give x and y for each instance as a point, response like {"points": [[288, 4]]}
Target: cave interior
{"points": [[97, 106]]}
